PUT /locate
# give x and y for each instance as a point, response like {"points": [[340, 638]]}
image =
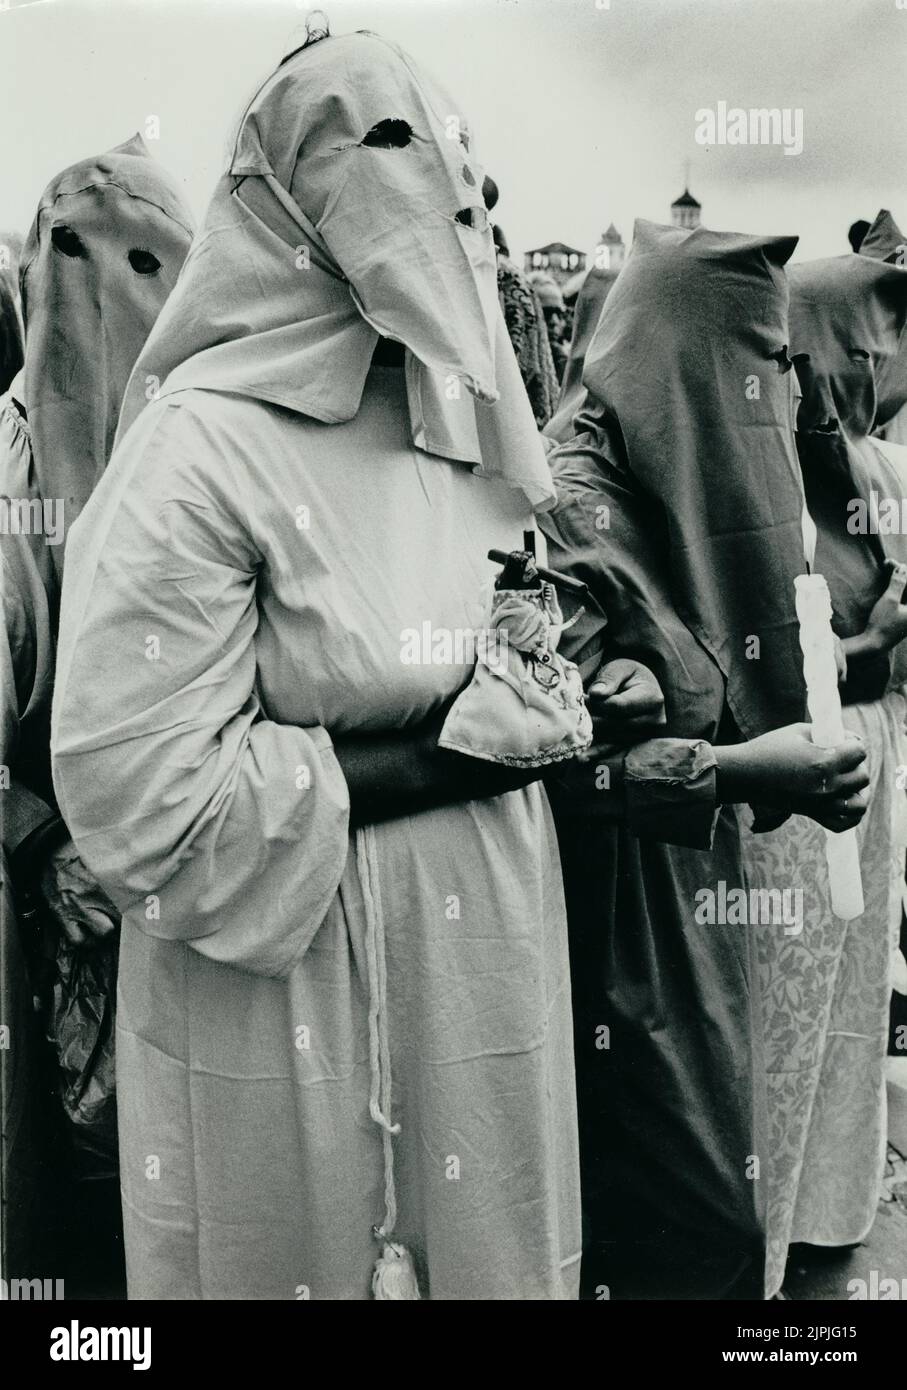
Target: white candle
{"points": [[824, 703]]}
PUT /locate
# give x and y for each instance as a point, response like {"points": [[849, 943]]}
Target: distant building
{"points": [[610, 252], [559, 260], [607, 259], [686, 211]]}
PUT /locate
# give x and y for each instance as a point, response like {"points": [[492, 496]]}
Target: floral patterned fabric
{"points": [[825, 994], [526, 328]]}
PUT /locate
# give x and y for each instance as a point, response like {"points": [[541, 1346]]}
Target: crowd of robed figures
{"points": [[393, 1021]]}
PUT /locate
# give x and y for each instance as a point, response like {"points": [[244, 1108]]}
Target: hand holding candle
{"points": [[824, 704]]}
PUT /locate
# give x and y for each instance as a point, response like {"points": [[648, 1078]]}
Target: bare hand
{"points": [[785, 769], [886, 625], [625, 701], [78, 905]]}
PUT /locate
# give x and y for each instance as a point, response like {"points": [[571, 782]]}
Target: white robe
{"points": [[213, 638]]}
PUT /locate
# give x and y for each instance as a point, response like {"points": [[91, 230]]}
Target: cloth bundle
{"points": [[525, 704]]}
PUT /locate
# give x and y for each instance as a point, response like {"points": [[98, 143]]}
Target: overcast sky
{"points": [[583, 110]]}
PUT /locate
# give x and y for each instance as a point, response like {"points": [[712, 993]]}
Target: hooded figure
{"points": [[105, 249], [826, 988], [848, 317], [338, 1048], [690, 351], [886, 242], [307, 174], [102, 256], [679, 505], [586, 313]]}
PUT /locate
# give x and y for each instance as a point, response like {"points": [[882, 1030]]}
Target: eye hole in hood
{"points": [[68, 242], [143, 262], [390, 134], [476, 218], [783, 358]]}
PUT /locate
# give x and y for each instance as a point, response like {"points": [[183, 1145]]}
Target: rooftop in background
{"points": [[560, 261], [607, 259], [593, 94], [685, 210]]}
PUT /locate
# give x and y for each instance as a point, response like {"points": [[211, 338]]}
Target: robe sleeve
{"points": [[662, 789], [671, 787], [203, 820], [605, 533], [28, 594]]}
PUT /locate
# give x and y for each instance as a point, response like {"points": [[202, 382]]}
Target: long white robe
{"points": [[236, 593]]}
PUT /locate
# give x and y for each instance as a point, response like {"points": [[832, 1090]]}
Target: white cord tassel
{"points": [[395, 1274]]}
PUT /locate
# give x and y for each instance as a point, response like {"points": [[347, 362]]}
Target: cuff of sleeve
{"points": [[21, 814], [671, 791]]}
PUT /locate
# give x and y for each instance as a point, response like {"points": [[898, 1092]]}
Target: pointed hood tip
{"points": [[135, 145]]}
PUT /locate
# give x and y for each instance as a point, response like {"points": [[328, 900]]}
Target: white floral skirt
{"points": [[825, 994]]}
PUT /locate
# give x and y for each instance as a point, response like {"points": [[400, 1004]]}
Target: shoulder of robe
{"points": [[203, 460], [244, 455], [201, 435], [26, 558], [212, 428], [16, 459]]}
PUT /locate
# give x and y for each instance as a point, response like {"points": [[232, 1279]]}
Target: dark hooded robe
{"points": [[680, 507]]}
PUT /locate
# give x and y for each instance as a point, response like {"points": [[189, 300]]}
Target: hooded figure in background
{"points": [[340, 1047], [885, 241], [679, 505], [586, 313], [107, 244], [101, 258], [826, 989], [106, 247]]}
